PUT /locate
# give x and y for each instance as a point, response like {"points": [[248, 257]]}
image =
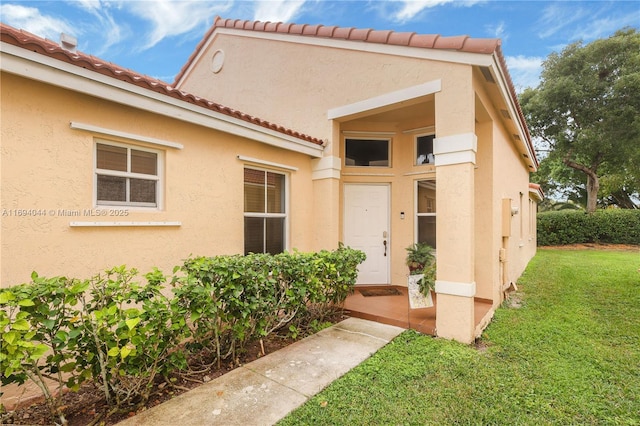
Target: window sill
{"points": [[120, 224]]}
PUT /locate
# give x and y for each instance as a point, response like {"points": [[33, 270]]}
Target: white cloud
{"points": [[104, 27], [557, 17], [277, 10], [525, 71], [565, 20], [31, 20], [497, 31], [88, 5], [604, 27], [174, 17], [411, 8]]}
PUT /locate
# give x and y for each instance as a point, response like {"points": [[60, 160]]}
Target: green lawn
{"points": [[569, 355]]}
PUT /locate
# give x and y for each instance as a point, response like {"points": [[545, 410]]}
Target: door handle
{"points": [[384, 243]]}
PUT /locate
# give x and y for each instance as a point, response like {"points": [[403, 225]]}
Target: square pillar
{"points": [[326, 201], [455, 281]]}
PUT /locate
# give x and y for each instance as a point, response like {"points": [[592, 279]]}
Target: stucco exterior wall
{"points": [[296, 84], [510, 177], [48, 167]]}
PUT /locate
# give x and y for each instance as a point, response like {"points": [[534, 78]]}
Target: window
{"points": [[367, 152], [426, 212], [127, 176], [424, 150], [264, 212]]}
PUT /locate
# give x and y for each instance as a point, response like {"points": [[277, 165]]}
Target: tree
{"points": [[586, 110]]}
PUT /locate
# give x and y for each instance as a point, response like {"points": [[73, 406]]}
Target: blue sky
{"points": [[156, 37]]}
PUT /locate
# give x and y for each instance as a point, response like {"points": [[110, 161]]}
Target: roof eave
{"points": [[35, 66], [509, 94]]}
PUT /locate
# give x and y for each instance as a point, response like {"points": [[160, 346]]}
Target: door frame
{"points": [[388, 224]]}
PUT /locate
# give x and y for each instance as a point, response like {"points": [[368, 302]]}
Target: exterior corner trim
{"points": [[456, 288]]}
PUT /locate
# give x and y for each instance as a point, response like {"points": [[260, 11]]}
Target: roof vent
{"points": [[505, 114], [68, 42], [516, 137]]}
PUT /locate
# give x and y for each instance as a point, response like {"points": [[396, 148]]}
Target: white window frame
{"points": [[415, 149], [159, 178], [265, 215], [417, 215]]}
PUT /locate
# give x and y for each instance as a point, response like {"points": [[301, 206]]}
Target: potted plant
{"points": [[422, 275]]}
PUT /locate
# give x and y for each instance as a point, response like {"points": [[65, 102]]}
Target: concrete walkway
{"points": [[266, 390]]}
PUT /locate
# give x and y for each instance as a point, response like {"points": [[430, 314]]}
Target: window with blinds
{"points": [[126, 176], [264, 211]]}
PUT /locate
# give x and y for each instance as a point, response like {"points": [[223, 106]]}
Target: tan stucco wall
{"points": [[511, 175], [299, 92], [48, 166], [296, 84], [505, 167]]}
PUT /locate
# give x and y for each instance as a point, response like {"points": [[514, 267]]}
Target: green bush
{"points": [[232, 300], [110, 329], [610, 226], [122, 334]]}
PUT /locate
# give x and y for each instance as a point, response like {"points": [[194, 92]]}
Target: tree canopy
{"points": [[586, 114]]}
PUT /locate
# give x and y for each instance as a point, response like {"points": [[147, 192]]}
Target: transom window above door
{"points": [[367, 152], [424, 150]]}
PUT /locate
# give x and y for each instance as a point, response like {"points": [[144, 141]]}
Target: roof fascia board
{"points": [[479, 59], [390, 98], [513, 110], [34, 66]]}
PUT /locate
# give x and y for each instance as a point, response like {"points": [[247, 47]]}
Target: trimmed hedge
{"points": [[123, 334], [611, 226]]}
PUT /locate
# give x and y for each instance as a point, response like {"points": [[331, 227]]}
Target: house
{"points": [[399, 138]]}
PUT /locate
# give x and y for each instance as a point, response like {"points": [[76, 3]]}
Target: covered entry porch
{"points": [[390, 305]]}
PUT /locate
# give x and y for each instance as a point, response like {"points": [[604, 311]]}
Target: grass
{"points": [[569, 355]]}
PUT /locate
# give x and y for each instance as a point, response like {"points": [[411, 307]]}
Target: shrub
{"points": [[231, 300], [122, 334], [40, 336], [610, 226], [109, 329], [130, 333]]}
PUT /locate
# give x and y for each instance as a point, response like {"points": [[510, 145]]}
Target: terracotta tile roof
{"points": [[462, 43], [51, 49], [411, 39]]}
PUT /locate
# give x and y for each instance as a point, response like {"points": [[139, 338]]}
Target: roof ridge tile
{"points": [[379, 36]]}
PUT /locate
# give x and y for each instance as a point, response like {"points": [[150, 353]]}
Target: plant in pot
{"points": [[422, 275]]}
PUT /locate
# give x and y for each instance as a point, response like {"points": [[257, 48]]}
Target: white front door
{"points": [[366, 228]]}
